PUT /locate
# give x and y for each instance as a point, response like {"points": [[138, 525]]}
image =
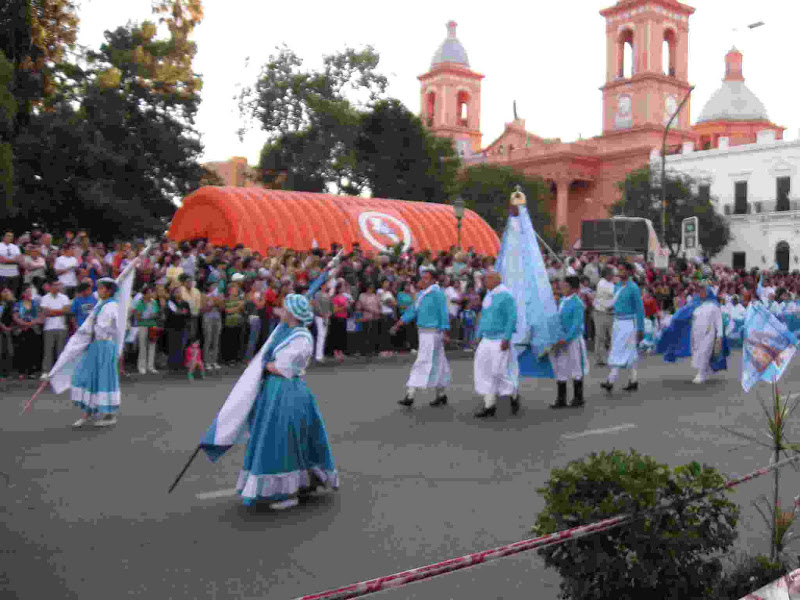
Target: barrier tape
{"points": [[371, 586]]}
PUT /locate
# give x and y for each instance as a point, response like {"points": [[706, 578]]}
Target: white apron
{"points": [[704, 334], [431, 369], [624, 351], [571, 361], [493, 369]]}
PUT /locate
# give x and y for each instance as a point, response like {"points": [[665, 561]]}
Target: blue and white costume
{"points": [[431, 369], [571, 360], [707, 328], [628, 322], [95, 383], [496, 370]]}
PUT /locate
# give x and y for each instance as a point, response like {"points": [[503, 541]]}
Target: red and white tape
{"points": [[371, 586]]}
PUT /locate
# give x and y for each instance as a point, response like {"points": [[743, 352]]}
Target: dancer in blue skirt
{"points": [[274, 411], [95, 383]]}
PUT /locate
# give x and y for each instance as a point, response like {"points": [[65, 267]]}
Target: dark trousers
{"points": [[175, 344], [232, 345], [28, 352]]}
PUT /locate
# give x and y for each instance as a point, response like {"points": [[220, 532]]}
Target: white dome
{"points": [[733, 102], [451, 50]]}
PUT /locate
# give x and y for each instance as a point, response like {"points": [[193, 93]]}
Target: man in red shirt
{"points": [[650, 304]]}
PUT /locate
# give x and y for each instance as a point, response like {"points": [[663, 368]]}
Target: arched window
{"points": [[668, 53], [463, 108], [782, 256], [625, 66], [430, 108]]}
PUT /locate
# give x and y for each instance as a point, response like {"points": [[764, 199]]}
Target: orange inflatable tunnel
{"points": [[259, 219]]}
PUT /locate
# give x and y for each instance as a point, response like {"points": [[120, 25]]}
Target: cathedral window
{"points": [[430, 111], [463, 108], [625, 66], [668, 53]]}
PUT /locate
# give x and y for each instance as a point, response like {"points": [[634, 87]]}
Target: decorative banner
{"points": [[785, 588], [384, 231], [768, 347]]}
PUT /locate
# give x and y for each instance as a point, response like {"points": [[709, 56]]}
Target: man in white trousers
{"points": [[627, 332], [431, 369], [323, 308], [568, 357], [494, 356]]}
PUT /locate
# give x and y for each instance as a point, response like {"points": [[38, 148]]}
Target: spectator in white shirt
{"points": [[9, 263], [603, 315], [453, 307], [65, 266], [55, 306]]}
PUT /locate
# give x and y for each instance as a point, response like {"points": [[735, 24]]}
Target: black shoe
{"points": [[632, 386], [561, 400], [514, 404], [607, 386], [486, 412], [406, 401], [577, 400], [440, 400]]}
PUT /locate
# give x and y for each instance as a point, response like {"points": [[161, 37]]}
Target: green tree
{"points": [[398, 158], [8, 112], [669, 555], [486, 189], [641, 197], [312, 118]]}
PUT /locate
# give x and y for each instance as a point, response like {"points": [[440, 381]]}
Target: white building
{"points": [[749, 172], [757, 187]]}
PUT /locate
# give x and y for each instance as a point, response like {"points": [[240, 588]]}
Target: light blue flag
{"points": [[521, 264], [768, 347]]}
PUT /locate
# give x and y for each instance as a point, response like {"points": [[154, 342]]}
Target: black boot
{"points": [[486, 412], [514, 404], [607, 386], [440, 400], [632, 386], [561, 401], [406, 401], [577, 399]]}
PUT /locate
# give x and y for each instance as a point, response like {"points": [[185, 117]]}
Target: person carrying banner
{"points": [[431, 369], [272, 409], [494, 358], [696, 330], [569, 356], [628, 330]]}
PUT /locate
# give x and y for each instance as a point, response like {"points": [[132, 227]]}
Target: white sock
{"points": [[634, 376], [440, 392], [410, 392], [612, 376], [489, 400]]}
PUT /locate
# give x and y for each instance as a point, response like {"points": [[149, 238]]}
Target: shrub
{"points": [[745, 574], [667, 555]]}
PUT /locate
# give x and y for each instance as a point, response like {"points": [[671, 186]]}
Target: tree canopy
{"points": [[641, 197]]}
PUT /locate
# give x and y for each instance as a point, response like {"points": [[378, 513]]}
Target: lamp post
{"points": [[458, 209], [664, 168]]}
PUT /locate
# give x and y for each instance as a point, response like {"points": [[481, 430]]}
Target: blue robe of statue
{"points": [[524, 274], [676, 339]]}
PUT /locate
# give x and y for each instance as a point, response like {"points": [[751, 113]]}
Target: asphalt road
{"points": [[86, 515]]}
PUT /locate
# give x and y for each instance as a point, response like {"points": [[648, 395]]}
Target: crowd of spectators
{"points": [[201, 306]]}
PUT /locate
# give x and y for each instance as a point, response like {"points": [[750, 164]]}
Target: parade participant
{"points": [[272, 408], [628, 330], [494, 358], [569, 356], [696, 330], [95, 384], [431, 369]]}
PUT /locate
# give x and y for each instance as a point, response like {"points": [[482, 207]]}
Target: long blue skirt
{"points": [[95, 383], [288, 451]]}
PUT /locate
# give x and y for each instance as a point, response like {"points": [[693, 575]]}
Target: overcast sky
{"points": [[548, 56]]}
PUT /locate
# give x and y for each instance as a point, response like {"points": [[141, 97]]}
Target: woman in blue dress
{"points": [[95, 383]]}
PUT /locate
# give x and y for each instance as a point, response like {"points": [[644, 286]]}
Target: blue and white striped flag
{"points": [[768, 347]]}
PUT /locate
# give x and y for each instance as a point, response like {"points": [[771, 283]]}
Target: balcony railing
{"points": [[758, 207]]}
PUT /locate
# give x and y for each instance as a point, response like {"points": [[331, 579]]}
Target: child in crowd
{"points": [[194, 359]]}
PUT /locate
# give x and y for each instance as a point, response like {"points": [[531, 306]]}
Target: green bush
{"points": [[673, 554], [745, 574]]}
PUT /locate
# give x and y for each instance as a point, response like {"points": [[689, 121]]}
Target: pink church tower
{"points": [[451, 96], [643, 94]]}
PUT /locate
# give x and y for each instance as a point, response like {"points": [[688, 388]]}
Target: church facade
{"points": [[638, 101]]}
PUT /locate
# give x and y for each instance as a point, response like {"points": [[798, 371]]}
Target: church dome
{"points": [[734, 101], [451, 50]]}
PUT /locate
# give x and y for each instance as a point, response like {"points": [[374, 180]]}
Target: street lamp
{"points": [[458, 208], [664, 168]]}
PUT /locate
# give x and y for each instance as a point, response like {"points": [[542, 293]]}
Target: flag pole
{"points": [[185, 468], [34, 397]]}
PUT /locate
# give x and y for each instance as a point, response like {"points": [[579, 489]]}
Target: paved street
{"points": [[86, 514]]}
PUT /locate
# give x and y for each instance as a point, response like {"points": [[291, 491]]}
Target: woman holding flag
{"points": [[273, 410]]}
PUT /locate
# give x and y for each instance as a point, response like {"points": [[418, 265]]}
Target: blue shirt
{"points": [[499, 318], [430, 312], [629, 303], [82, 307], [571, 313]]}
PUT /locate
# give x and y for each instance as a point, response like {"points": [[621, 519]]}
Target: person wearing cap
{"points": [[627, 331], [431, 369], [95, 383]]}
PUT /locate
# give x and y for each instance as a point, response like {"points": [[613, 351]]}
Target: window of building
{"points": [[463, 108], [739, 260], [740, 198], [783, 186], [668, 53], [625, 67], [704, 192]]}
